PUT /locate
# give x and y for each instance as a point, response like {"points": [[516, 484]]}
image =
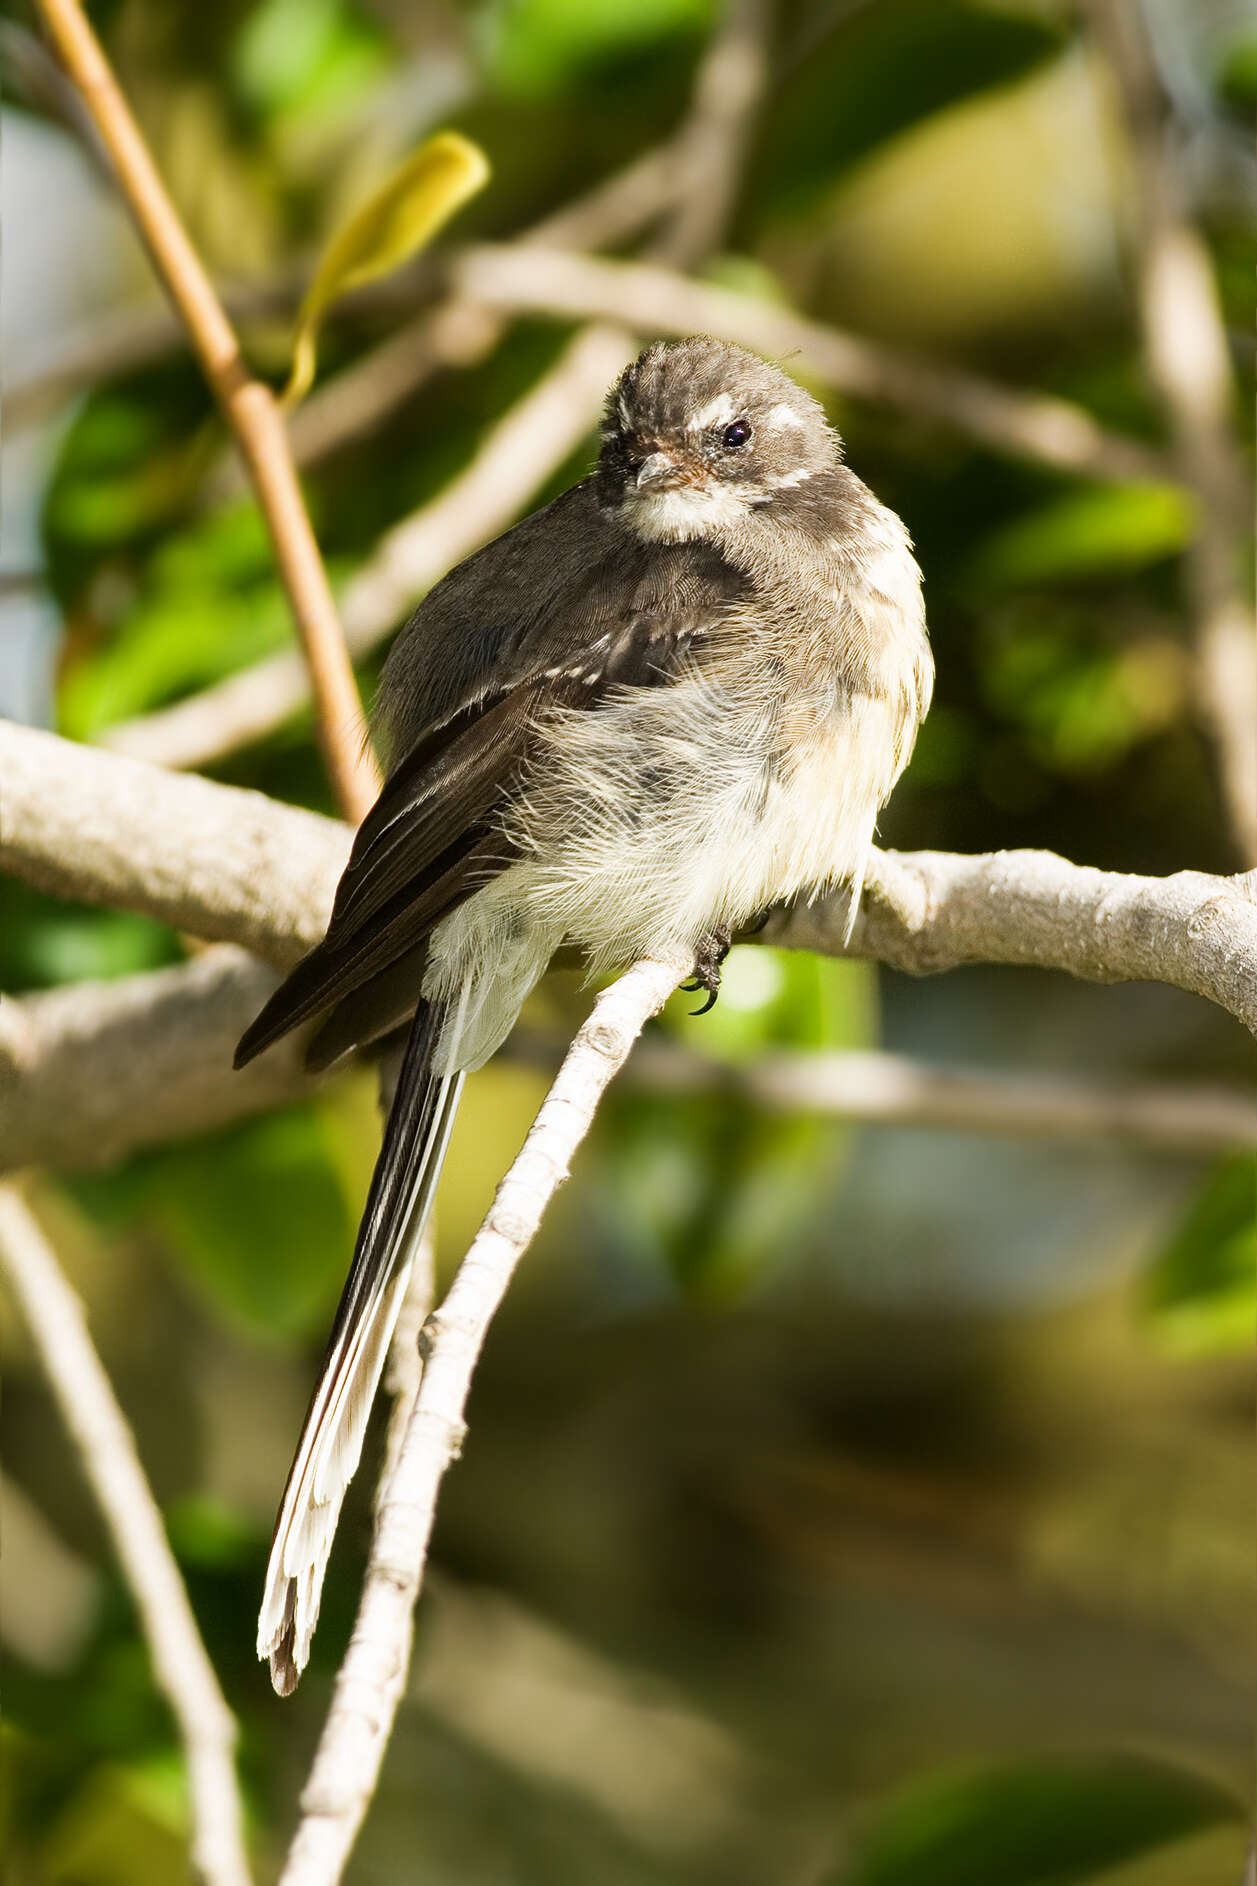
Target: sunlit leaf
{"points": [[403, 214], [1044, 1823], [290, 54], [536, 46], [1110, 528]]}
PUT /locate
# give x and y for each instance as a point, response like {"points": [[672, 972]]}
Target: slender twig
{"points": [[247, 404], [106, 1449], [728, 87], [877, 1088], [544, 427], [370, 1681], [652, 300], [1188, 362]]}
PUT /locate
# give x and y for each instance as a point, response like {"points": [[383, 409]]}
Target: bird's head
{"points": [[699, 433]]}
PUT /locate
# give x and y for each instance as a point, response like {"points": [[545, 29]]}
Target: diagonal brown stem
{"points": [[248, 406]]}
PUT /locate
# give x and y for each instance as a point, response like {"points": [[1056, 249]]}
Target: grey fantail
{"points": [[673, 698]]}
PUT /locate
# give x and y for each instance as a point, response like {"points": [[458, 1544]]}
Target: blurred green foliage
{"points": [[1044, 1824], [850, 1537]]}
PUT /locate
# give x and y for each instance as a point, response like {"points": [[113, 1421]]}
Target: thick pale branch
{"points": [[225, 864], [369, 1683], [922, 912], [87, 1073], [90, 1072], [926, 911], [654, 300], [106, 1448]]}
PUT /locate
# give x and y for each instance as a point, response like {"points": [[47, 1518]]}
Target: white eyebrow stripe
{"points": [[785, 415], [712, 414], [798, 477]]}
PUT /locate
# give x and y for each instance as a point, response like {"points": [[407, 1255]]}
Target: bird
{"points": [[670, 700]]}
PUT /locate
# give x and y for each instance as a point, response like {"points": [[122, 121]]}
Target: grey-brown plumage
{"points": [[674, 697]]}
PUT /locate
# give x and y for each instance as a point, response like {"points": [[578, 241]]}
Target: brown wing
{"points": [[434, 835]]}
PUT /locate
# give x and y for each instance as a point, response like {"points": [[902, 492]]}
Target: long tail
{"points": [[415, 1139]]}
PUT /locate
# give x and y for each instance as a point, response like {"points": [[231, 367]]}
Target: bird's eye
{"points": [[737, 434]]}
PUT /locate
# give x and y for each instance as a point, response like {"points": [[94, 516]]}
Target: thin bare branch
{"points": [[653, 300], [106, 1449], [883, 1089], [523, 449], [248, 406], [1188, 361], [711, 153], [371, 1678]]}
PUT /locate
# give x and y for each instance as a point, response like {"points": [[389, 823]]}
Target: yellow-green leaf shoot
{"points": [[391, 226]]}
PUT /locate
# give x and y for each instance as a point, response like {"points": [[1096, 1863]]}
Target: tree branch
{"points": [[370, 1681], [926, 911], [248, 406], [222, 863], [711, 148], [90, 1072], [107, 1450], [877, 1088], [655, 300], [1188, 362], [922, 911]]}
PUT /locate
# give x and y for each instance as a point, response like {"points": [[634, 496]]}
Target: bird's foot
{"points": [[708, 961]]}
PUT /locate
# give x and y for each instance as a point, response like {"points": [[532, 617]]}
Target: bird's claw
{"points": [[708, 961]]}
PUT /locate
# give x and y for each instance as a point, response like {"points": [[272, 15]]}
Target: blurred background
{"points": [[842, 1503]]}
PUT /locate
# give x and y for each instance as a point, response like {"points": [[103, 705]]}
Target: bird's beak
{"points": [[662, 471]]}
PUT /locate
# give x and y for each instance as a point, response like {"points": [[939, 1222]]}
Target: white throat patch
{"points": [[688, 511]]}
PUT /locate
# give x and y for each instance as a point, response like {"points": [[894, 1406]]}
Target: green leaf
{"points": [[1200, 1293], [210, 603], [1043, 1823], [288, 53], [259, 1216], [1237, 73], [403, 214], [538, 46], [1105, 529], [45, 942], [873, 75]]}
